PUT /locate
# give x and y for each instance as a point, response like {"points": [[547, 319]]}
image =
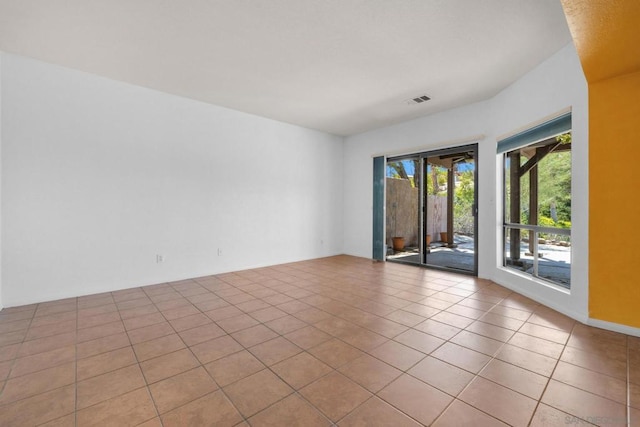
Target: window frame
{"points": [[547, 130]]}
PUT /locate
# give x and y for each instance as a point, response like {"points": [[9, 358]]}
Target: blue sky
{"points": [[409, 167]]}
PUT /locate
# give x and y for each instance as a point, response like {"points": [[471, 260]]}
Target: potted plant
{"points": [[443, 236], [398, 243]]}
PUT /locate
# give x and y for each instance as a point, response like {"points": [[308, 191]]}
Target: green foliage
{"points": [[554, 188], [554, 174], [463, 197], [555, 183], [545, 221], [465, 190], [396, 170], [565, 138], [439, 175], [549, 222]]}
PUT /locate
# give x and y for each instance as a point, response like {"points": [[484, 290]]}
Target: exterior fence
{"points": [[403, 206]]}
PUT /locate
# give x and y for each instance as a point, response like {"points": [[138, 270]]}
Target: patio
{"points": [[554, 263]]}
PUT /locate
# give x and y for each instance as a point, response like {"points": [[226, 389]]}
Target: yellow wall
{"points": [[614, 199], [607, 38]]}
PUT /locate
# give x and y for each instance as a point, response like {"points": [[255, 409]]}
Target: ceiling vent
{"points": [[418, 100]]}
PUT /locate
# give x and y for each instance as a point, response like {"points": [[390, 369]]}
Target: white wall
{"points": [[1, 57], [436, 131], [98, 177], [556, 84]]}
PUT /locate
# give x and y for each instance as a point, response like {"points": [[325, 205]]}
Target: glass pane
{"points": [[525, 194], [517, 258], [554, 255], [403, 210], [507, 189], [554, 199], [539, 191], [436, 203], [451, 179], [430, 209], [554, 259], [378, 208]]}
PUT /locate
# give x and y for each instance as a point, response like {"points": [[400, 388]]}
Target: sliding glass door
{"points": [[403, 222], [450, 200], [431, 209]]}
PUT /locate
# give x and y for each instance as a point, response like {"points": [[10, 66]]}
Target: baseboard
{"points": [[547, 302], [615, 327]]}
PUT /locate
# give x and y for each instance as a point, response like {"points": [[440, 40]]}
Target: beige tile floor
{"points": [[335, 341]]}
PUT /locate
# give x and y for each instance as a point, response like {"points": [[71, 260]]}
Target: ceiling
{"points": [[606, 36], [339, 66]]}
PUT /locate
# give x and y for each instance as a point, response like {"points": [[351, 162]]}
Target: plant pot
{"points": [[428, 239], [398, 243], [443, 236]]}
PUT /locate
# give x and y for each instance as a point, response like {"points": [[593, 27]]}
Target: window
{"points": [[537, 202]]}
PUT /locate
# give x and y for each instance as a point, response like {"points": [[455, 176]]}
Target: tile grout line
{"points": [[220, 388], [115, 303], [551, 377], [295, 392], [389, 339], [16, 357], [324, 291], [158, 414], [628, 384], [539, 400], [148, 389], [476, 375], [75, 350]]}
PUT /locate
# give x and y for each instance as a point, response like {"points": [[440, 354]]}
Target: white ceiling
{"points": [[340, 66]]}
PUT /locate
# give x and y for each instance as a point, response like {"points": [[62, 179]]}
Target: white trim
{"points": [[538, 281], [615, 327], [535, 123], [1, 263], [549, 302], [432, 147]]}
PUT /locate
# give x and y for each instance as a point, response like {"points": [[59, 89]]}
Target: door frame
{"points": [[424, 203], [423, 155]]}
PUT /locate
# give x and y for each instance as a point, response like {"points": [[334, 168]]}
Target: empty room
{"points": [[319, 213]]}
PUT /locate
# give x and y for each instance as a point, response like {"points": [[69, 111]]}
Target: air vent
{"points": [[418, 100]]}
